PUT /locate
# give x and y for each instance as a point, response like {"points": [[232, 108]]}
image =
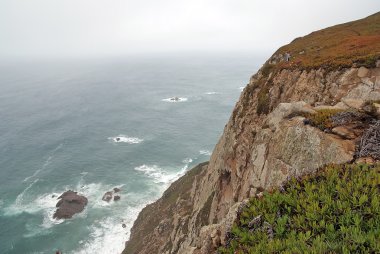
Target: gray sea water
{"points": [[58, 126]]}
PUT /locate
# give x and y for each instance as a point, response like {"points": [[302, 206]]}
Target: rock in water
{"points": [[107, 196], [116, 190], [69, 204], [116, 198]]}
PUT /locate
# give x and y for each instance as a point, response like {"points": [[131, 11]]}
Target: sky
{"points": [[84, 28]]}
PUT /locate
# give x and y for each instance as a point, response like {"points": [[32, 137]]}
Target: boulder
{"points": [[69, 204], [116, 198], [284, 110], [354, 103], [107, 196], [116, 190], [339, 105], [344, 132], [363, 72]]}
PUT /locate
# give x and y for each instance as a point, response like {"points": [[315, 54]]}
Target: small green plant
{"points": [[334, 211]]}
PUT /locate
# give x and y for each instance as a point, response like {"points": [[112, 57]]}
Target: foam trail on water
{"points": [[18, 206], [175, 99], [125, 139], [187, 160], [205, 152], [212, 93], [46, 163], [20, 197]]}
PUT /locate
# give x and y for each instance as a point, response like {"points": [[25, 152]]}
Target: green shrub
{"points": [[267, 69], [334, 211], [263, 101], [322, 119]]}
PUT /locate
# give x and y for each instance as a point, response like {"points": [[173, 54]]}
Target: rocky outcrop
{"points": [[69, 204], [266, 140], [109, 195]]}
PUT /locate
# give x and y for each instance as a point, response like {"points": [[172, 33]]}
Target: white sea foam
{"points": [[187, 160], [175, 99], [159, 175], [205, 152], [108, 235], [126, 139], [45, 203], [212, 93], [241, 88]]}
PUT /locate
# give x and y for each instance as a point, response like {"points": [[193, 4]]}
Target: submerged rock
{"points": [[69, 204], [107, 196]]}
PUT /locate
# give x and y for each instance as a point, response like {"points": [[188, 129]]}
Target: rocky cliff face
{"points": [[267, 139]]}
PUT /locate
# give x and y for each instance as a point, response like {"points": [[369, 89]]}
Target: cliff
{"points": [[292, 118]]}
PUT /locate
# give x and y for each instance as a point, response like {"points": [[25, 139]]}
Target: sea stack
{"points": [[69, 204]]}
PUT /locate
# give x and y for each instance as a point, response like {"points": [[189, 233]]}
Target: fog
{"points": [[86, 28]]}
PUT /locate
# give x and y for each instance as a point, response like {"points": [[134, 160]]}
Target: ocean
{"points": [[93, 125]]}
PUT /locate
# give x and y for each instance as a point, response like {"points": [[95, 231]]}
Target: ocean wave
{"points": [[187, 160], [108, 235], [45, 203], [175, 99], [126, 139], [241, 88], [205, 152], [159, 175], [212, 93]]}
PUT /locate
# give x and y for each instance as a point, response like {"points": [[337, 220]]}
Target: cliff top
{"points": [[344, 45]]}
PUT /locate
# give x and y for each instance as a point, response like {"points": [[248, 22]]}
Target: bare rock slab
{"points": [[69, 204]]}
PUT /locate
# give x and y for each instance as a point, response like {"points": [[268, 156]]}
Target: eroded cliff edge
{"points": [[268, 138]]}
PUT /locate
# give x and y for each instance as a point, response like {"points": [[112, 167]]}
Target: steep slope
{"points": [[292, 119], [336, 210]]}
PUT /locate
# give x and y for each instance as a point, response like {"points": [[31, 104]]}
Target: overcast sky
{"points": [[39, 28]]}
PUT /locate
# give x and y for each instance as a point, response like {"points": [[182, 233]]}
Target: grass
{"points": [[336, 210], [356, 42]]}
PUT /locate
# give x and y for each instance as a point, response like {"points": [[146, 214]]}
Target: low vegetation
{"points": [[263, 101], [336, 210], [354, 43], [327, 119], [323, 118]]}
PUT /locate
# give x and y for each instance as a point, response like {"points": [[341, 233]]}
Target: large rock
{"points": [[284, 110], [69, 204], [363, 72]]}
